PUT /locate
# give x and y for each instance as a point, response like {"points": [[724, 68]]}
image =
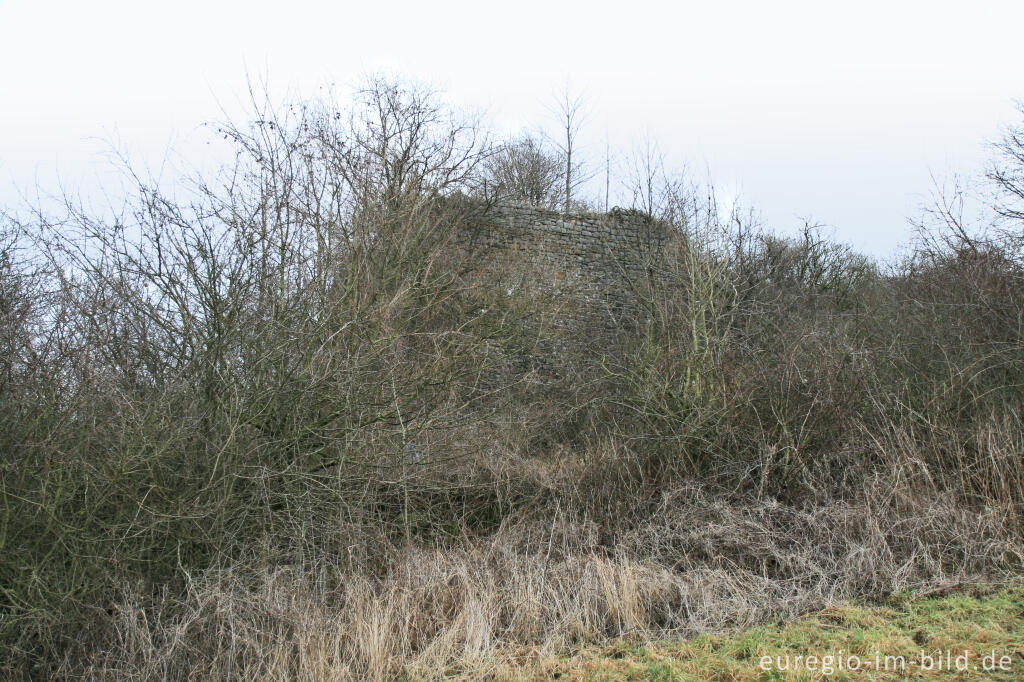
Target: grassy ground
{"points": [[970, 626]]}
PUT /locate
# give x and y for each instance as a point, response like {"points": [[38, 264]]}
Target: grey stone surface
{"points": [[595, 262]]}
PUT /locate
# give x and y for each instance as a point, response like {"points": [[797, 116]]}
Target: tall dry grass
{"points": [[504, 605]]}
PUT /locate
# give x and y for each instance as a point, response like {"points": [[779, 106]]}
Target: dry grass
{"points": [[508, 604]]}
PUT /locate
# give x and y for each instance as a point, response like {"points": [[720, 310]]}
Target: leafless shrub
{"points": [[524, 170]]}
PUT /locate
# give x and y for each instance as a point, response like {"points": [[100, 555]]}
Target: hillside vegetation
{"points": [[272, 425]]}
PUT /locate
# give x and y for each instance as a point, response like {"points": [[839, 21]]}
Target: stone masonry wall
{"points": [[595, 262]]}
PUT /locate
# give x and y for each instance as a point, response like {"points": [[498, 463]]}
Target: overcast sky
{"points": [[836, 112]]}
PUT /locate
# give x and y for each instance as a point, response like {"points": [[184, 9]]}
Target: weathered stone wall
{"points": [[596, 263]]}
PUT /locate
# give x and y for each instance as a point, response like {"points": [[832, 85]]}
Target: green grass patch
{"points": [[956, 637]]}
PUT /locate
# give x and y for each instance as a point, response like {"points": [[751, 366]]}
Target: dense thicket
{"points": [[287, 371]]}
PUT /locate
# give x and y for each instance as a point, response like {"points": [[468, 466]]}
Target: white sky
{"points": [[838, 112]]}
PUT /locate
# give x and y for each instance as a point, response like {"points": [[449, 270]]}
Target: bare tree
{"points": [[15, 308], [570, 109], [1007, 172], [403, 147], [662, 194], [646, 177], [607, 172], [526, 170]]}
